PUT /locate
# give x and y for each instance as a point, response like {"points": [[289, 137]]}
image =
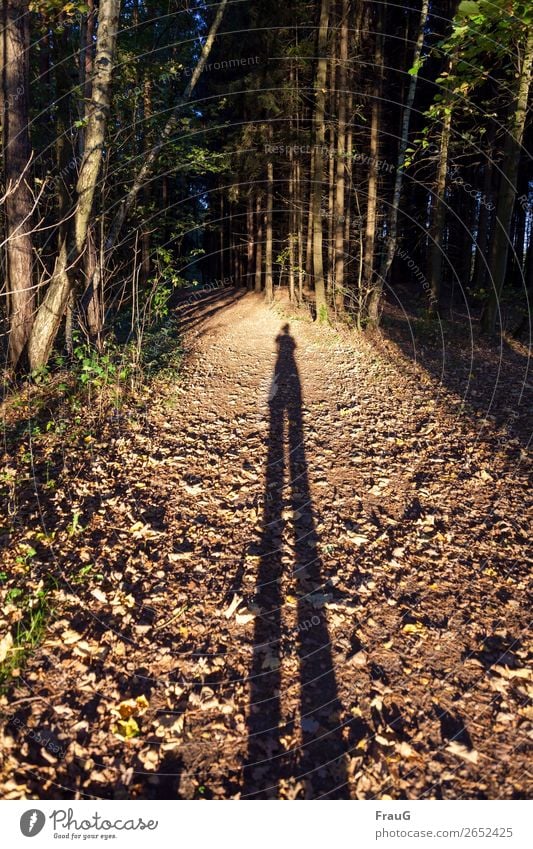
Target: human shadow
{"points": [[314, 767]]}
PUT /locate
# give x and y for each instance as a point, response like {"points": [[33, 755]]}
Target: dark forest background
{"points": [[350, 151]]}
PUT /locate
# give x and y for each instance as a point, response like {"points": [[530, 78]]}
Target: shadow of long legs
{"points": [[318, 765]]}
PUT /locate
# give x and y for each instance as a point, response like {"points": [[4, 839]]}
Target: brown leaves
{"points": [[127, 712], [417, 563]]}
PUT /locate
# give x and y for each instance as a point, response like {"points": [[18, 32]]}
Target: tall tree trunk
{"points": [[340, 199], [484, 221], [88, 21], [348, 182], [318, 170], [64, 158], [269, 286], [221, 236], [17, 156], [52, 308], [392, 240], [525, 322], [258, 246], [299, 218], [332, 101], [249, 241], [438, 217], [373, 172], [147, 190], [507, 192], [309, 222], [331, 210], [292, 217]]}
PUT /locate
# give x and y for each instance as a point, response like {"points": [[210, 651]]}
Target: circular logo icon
{"points": [[32, 822]]}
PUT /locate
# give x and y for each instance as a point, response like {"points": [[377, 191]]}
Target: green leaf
{"points": [[468, 8]]}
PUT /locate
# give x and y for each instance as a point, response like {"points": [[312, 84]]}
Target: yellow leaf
{"points": [[142, 703], [414, 628], [127, 728]]}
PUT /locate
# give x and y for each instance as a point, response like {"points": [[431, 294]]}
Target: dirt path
{"points": [[307, 524]]}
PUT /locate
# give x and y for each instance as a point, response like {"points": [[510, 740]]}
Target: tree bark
{"points": [[373, 173], [17, 157], [52, 309], [318, 169], [484, 221], [438, 217], [340, 199], [249, 241], [291, 225], [392, 241], [507, 193], [269, 287], [258, 246], [309, 229]]}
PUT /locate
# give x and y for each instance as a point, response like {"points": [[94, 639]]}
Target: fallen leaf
{"points": [[6, 644], [127, 728], [461, 751]]}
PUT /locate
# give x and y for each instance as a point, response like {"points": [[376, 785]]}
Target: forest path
{"points": [[293, 526]]}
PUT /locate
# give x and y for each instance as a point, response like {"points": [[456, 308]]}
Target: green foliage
{"points": [[97, 369], [28, 632], [156, 298], [161, 353]]}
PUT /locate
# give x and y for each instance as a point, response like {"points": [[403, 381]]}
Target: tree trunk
{"points": [[373, 171], [258, 246], [249, 241], [318, 170], [299, 218], [17, 156], [525, 322], [507, 193], [341, 160], [348, 182], [309, 230], [86, 65], [438, 217], [392, 241], [331, 209], [52, 309], [269, 287], [484, 222], [291, 225]]}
